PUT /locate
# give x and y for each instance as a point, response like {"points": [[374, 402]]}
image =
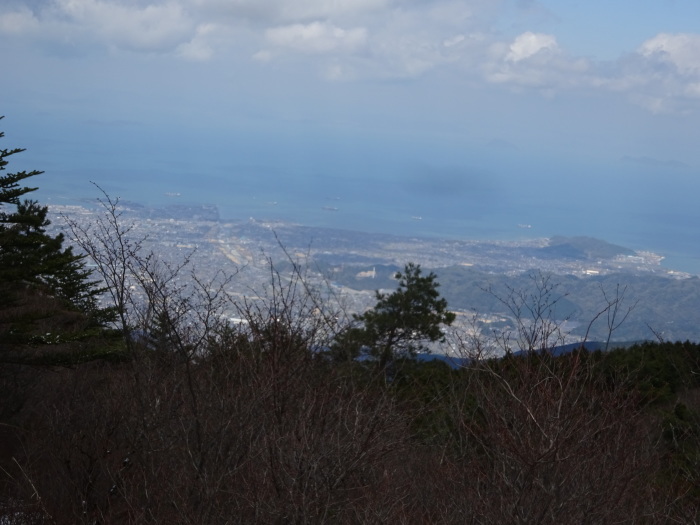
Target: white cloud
{"points": [[370, 38], [317, 37], [198, 48], [681, 50], [529, 44], [655, 105], [336, 72], [265, 13], [534, 60], [264, 55], [387, 38], [663, 76], [18, 22], [415, 38], [152, 27], [693, 90], [359, 39], [453, 41], [324, 8]]}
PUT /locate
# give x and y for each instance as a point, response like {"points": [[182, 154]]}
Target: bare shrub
{"points": [[555, 443]]}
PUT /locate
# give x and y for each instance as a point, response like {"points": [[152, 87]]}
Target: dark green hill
{"points": [[581, 248]]}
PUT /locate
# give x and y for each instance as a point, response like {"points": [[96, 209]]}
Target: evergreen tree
{"points": [[400, 322], [29, 256]]}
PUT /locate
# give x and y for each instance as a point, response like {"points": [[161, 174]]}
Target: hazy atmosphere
{"points": [[476, 117]]}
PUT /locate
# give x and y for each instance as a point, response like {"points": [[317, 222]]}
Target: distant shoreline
{"points": [[554, 248]]}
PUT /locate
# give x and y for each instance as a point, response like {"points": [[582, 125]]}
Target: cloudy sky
{"points": [[462, 92]]}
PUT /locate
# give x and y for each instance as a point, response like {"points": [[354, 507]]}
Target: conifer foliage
{"points": [[401, 322], [29, 256]]}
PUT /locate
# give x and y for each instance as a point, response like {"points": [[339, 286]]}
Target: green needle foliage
{"points": [[401, 322], [33, 260]]}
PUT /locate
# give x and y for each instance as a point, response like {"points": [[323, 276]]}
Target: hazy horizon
{"points": [[477, 116]]}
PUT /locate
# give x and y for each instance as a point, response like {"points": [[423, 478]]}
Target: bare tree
{"points": [[615, 312], [109, 244], [534, 311], [162, 305], [549, 439], [545, 439]]}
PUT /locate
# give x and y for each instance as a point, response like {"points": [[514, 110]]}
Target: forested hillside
{"points": [[165, 409]]}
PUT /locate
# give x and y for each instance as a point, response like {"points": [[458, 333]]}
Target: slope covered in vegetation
{"points": [[295, 411], [260, 429]]}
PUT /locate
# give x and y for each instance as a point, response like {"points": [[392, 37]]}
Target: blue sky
{"points": [[543, 100]]}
